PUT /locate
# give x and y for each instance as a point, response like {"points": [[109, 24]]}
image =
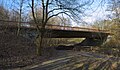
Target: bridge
{"points": [[93, 36]]}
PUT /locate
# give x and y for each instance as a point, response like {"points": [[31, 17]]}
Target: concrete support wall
{"points": [[92, 42]]}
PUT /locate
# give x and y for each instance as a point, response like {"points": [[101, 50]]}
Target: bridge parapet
{"points": [[75, 28], [56, 27]]}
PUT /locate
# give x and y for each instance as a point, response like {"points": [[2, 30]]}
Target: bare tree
{"points": [[16, 12], [4, 14], [51, 8], [20, 15]]}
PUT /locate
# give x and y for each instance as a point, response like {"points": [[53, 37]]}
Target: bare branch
{"points": [[54, 10], [33, 14], [46, 12], [64, 9], [56, 14], [43, 12]]}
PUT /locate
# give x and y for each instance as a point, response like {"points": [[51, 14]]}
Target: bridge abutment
{"points": [[92, 41]]}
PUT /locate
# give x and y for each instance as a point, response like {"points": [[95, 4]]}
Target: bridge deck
{"points": [[57, 27], [61, 31]]}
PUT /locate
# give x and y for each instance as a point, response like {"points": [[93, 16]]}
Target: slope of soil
{"points": [[15, 50]]}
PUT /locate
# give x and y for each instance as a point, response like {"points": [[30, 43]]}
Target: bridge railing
{"points": [[58, 27], [74, 28]]}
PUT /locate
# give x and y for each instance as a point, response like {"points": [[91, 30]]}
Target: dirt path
{"points": [[77, 61]]}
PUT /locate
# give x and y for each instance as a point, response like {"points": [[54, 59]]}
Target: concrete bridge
{"points": [[93, 36]]}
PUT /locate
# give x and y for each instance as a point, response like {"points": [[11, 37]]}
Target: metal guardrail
{"points": [[58, 27]]}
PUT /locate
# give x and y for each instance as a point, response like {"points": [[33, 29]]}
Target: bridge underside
{"points": [[74, 34], [92, 38]]}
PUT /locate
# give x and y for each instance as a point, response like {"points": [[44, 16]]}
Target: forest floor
{"points": [[75, 60]]}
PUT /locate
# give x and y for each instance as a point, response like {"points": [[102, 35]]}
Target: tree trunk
{"points": [[40, 46]]}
